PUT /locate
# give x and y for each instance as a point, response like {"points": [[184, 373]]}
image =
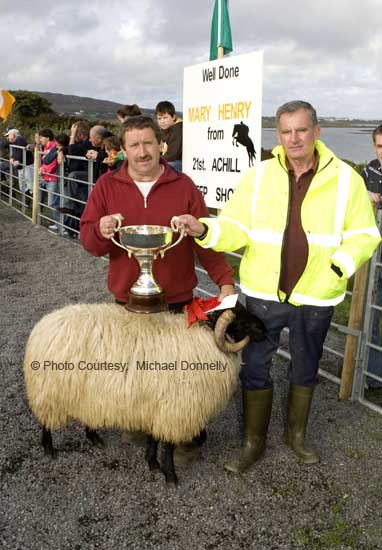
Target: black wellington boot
{"points": [[257, 405]]}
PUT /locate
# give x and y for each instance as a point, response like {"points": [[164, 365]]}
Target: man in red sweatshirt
{"points": [[146, 190]]}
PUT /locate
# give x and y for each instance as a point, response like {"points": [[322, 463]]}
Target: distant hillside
{"points": [[86, 107], [102, 109]]}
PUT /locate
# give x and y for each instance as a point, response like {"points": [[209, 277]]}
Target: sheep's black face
{"points": [[244, 324]]}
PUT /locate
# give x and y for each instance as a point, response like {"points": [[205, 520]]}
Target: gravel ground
{"points": [[91, 498]]}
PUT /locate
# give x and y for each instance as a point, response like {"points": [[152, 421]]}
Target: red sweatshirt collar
{"points": [[168, 175]]}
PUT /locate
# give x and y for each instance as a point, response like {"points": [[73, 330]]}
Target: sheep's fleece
{"points": [[171, 405]]}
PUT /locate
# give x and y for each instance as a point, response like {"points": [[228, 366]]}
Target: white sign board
{"points": [[222, 123]]}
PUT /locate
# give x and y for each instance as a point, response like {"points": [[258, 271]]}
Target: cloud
{"points": [[328, 53]]}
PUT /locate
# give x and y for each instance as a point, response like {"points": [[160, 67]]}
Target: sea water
{"points": [[354, 144]]}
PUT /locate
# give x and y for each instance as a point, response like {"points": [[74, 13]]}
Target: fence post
{"points": [[357, 308], [11, 175], [23, 179], [36, 169]]}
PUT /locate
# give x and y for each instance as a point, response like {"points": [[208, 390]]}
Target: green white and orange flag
{"points": [[6, 107], [220, 29]]}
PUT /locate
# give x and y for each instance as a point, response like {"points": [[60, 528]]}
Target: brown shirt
{"points": [[294, 252]]}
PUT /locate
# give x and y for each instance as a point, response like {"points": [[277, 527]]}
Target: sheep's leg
{"points": [[188, 452], [167, 463], [47, 443], [200, 439], [151, 453], [96, 440]]}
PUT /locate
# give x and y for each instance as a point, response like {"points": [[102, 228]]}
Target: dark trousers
{"points": [[76, 190], [4, 169], [308, 326]]}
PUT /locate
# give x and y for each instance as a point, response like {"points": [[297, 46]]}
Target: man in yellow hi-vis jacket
{"points": [[305, 220]]}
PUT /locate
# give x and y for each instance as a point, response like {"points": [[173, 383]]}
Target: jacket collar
{"points": [[325, 155]]}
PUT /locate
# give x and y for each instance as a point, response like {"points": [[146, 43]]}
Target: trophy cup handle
{"points": [[118, 219], [175, 230]]}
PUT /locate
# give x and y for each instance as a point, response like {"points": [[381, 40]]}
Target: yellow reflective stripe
{"points": [[297, 298], [214, 228], [343, 188], [372, 231], [320, 239], [262, 295], [274, 237], [265, 236], [235, 222], [303, 299], [259, 176], [346, 260]]}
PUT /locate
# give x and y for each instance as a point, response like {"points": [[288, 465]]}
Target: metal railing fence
{"points": [[13, 193], [369, 367]]}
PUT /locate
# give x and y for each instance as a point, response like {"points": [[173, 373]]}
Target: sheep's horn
{"points": [[222, 343]]}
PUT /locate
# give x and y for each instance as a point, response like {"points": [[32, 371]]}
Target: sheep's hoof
{"points": [[47, 443], [51, 452], [95, 439], [153, 465], [171, 478]]}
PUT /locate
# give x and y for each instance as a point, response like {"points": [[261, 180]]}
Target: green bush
{"points": [[31, 113]]}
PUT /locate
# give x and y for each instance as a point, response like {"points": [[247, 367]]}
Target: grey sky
{"points": [[328, 52]]}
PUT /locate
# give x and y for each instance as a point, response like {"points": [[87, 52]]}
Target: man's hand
{"points": [[108, 160], [107, 225], [191, 225], [226, 290], [60, 157], [73, 134], [374, 197], [92, 155]]}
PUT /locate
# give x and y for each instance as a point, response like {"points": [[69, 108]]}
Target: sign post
{"points": [[222, 102]]}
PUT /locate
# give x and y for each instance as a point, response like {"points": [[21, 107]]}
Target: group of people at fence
{"points": [[79, 159], [304, 217]]}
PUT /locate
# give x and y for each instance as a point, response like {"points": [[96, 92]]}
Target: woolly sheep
{"points": [[67, 379]]}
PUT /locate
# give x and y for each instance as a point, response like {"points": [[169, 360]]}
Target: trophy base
{"points": [[154, 303]]}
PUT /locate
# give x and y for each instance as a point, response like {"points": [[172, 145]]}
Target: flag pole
{"points": [[36, 170], [220, 48], [220, 56]]}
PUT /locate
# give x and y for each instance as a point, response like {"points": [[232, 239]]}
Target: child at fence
{"points": [[48, 171], [127, 111], [123, 114], [62, 141], [171, 127], [372, 175], [112, 147]]}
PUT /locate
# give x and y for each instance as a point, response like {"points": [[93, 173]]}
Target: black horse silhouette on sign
{"points": [[240, 135]]}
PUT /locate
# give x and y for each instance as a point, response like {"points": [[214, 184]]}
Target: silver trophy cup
{"points": [[146, 243]]}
